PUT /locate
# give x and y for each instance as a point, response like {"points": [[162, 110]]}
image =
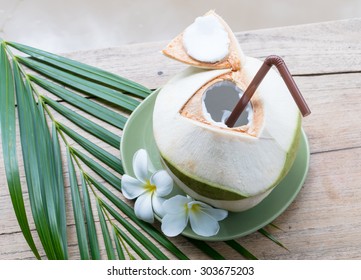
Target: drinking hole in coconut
{"points": [[218, 102]]}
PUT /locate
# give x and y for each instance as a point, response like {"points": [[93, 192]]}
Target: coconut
{"points": [[229, 168]]}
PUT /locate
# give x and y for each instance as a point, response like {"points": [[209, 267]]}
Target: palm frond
{"points": [[240, 249], [60, 199], [65, 107], [90, 223], [78, 211], [8, 134], [98, 152], [139, 251], [84, 104], [80, 69], [272, 238], [275, 226], [107, 240], [208, 250], [39, 167], [78, 83], [118, 245], [84, 123]]}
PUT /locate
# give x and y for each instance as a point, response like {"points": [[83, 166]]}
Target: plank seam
{"points": [[336, 150]]}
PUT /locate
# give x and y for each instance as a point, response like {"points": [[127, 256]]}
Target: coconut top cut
{"points": [[208, 43], [212, 103], [218, 100], [206, 39]]}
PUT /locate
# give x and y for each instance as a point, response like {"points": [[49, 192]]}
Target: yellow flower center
{"points": [[149, 187], [195, 208]]}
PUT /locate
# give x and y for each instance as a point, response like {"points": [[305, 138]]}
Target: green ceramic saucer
{"points": [[138, 133]]}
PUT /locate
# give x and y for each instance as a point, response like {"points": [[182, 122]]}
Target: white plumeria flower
{"points": [[148, 187], [180, 209]]}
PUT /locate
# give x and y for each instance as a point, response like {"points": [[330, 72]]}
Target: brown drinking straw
{"points": [[285, 74]]}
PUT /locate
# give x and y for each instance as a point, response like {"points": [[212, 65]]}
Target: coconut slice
{"points": [[206, 40], [207, 43]]}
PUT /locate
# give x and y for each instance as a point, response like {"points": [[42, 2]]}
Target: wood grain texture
{"points": [[330, 47], [324, 221]]}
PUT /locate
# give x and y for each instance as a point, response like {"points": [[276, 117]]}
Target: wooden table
{"points": [[324, 222]]}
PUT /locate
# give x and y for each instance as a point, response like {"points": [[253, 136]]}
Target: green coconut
{"points": [[229, 168]]}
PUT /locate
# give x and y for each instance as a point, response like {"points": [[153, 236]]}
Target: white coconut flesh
{"points": [[206, 39], [229, 168], [208, 43]]}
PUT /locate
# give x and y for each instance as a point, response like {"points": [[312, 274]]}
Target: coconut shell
{"points": [[235, 168], [233, 60]]}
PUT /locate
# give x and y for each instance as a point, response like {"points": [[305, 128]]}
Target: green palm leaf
{"points": [[84, 123], [8, 134], [272, 237], [118, 245], [84, 104], [78, 211], [78, 110], [208, 250], [107, 240], [240, 249], [80, 69], [97, 168], [90, 223], [60, 199], [91, 88], [39, 167], [132, 245], [101, 154]]}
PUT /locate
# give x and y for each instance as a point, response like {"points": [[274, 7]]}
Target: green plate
{"points": [[138, 133]]}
